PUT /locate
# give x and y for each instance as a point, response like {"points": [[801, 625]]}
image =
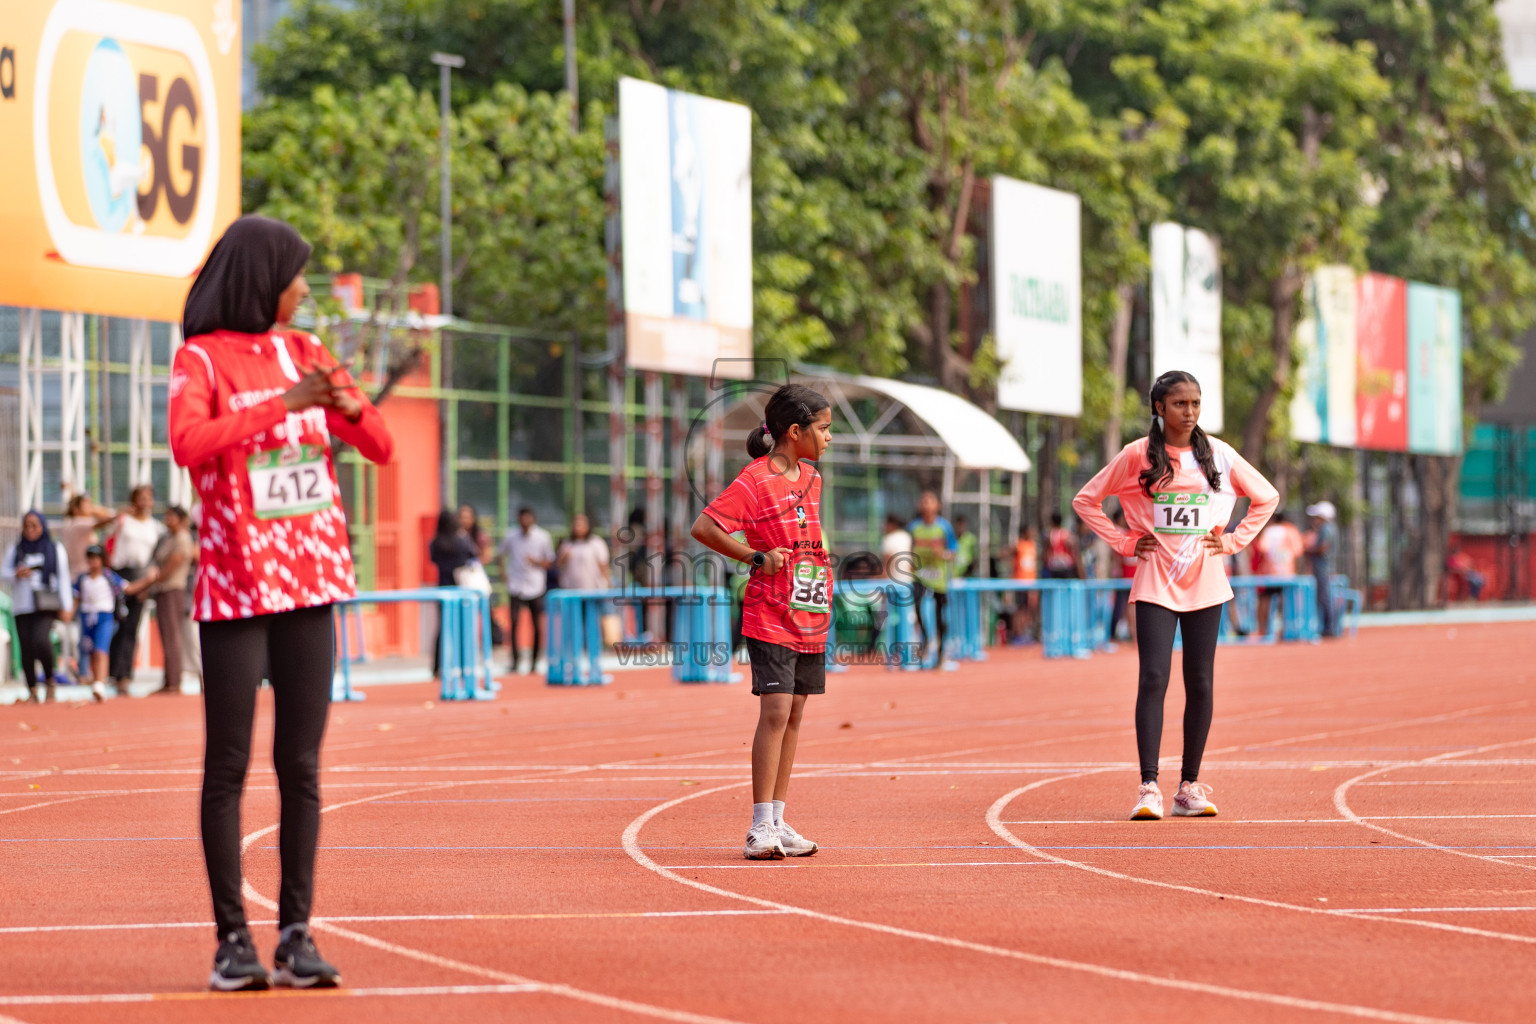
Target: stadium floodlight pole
{"points": [[446, 62], [570, 64]]}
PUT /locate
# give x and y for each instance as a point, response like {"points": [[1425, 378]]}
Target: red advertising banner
{"points": [[1381, 332]]}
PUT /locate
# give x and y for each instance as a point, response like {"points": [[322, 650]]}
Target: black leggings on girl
{"points": [[1154, 646], [296, 651]]}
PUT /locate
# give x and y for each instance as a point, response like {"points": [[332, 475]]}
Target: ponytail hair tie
{"points": [[765, 428]]}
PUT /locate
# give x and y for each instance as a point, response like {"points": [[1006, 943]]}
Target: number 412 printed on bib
{"points": [[289, 482]]}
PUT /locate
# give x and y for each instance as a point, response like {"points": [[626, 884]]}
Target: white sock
{"points": [[762, 812], [778, 812]]}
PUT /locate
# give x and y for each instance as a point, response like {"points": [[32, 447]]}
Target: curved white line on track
{"points": [[45, 803], [1341, 802], [423, 956], [994, 820], [632, 847]]}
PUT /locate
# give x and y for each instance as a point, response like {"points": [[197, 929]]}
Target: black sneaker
{"points": [[299, 963], [236, 967]]}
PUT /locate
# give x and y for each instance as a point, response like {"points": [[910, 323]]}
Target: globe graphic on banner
{"points": [[111, 135]]}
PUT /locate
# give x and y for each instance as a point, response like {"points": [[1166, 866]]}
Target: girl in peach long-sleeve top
{"points": [[1178, 488]]}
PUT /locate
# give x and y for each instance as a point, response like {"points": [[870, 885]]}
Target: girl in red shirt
{"points": [[776, 502], [252, 412]]}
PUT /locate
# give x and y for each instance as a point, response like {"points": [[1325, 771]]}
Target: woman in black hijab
{"points": [[253, 407], [38, 570]]}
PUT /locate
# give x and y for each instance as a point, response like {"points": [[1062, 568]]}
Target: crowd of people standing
{"points": [[90, 586]]}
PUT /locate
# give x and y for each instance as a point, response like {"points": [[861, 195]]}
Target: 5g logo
{"points": [[158, 142], [125, 102]]}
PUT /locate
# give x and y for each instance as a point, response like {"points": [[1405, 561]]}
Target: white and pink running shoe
{"points": [[1149, 803], [1193, 800]]}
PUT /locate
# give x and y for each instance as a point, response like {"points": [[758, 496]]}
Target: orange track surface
{"points": [[574, 854]]}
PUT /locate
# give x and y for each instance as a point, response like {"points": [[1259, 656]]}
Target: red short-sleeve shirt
{"points": [[778, 513]]}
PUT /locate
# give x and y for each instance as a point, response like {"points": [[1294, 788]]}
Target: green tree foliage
{"points": [[1360, 131]]}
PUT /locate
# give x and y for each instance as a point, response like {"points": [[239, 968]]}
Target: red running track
{"points": [[574, 855]]}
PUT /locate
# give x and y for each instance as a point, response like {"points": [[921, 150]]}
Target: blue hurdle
{"points": [[700, 651], [464, 648]]}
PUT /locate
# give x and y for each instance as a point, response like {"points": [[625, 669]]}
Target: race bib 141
{"points": [[1184, 512]]}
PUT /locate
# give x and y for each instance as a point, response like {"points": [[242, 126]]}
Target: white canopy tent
{"points": [[892, 424]]}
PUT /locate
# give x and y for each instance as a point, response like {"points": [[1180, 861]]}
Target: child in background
{"points": [[96, 592]]}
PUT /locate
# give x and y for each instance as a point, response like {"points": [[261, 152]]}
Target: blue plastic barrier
{"points": [[1075, 614], [464, 646], [699, 652], [897, 638], [1065, 615]]}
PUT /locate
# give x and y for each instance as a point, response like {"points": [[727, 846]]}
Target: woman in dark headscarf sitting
{"points": [[37, 569], [253, 408]]}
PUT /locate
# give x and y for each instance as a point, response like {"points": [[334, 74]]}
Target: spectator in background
{"points": [[1061, 552], [469, 526], [933, 547], [526, 555], [37, 568], [166, 581], [97, 590], [583, 558], [965, 552], [77, 533], [1460, 567], [133, 545], [1320, 544], [1275, 554], [1026, 566], [452, 548], [896, 548], [82, 517]]}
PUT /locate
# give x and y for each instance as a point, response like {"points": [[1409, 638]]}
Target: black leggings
{"points": [[36, 643], [1154, 646], [125, 641], [940, 615], [296, 651]]}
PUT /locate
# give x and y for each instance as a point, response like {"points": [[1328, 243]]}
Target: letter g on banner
{"points": [[7, 73]]}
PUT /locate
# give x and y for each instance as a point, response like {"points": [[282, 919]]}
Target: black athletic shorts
{"points": [[777, 669]]}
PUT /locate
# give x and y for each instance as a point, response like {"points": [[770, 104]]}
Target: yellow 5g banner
{"points": [[119, 150]]}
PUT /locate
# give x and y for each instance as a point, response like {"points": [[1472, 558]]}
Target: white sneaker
{"points": [[763, 842], [1149, 803], [795, 844], [1193, 800]]}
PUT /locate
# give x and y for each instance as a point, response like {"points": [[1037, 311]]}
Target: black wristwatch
{"points": [[759, 559]]}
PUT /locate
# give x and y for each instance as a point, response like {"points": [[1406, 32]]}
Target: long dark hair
{"points": [[793, 405], [1160, 469]]}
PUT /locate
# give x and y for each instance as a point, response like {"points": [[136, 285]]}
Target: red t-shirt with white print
{"points": [[775, 512], [287, 548]]}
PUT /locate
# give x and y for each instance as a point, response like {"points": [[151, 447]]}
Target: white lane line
{"points": [[422, 956], [45, 803], [331, 993], [1380, 726], [824, 863], [39, 929], [1341, 804], [1430, 910], [994, 819], [632, 846], [1279, 821]]}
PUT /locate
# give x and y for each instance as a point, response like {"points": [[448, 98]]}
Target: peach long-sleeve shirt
{"points": [[1180, 573]]}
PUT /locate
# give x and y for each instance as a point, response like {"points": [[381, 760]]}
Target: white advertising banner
{"points": [[1186, 312], [686, 213], [1037, 297], [1323, 406]]}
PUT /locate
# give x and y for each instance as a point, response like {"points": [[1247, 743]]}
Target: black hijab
{"points": [[244, 276], [42, 546]]}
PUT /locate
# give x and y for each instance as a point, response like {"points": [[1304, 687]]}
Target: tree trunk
{"points": [[1439, 477], [1119, 350], [1283, 303], [940, 304], [1049, 500]]}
